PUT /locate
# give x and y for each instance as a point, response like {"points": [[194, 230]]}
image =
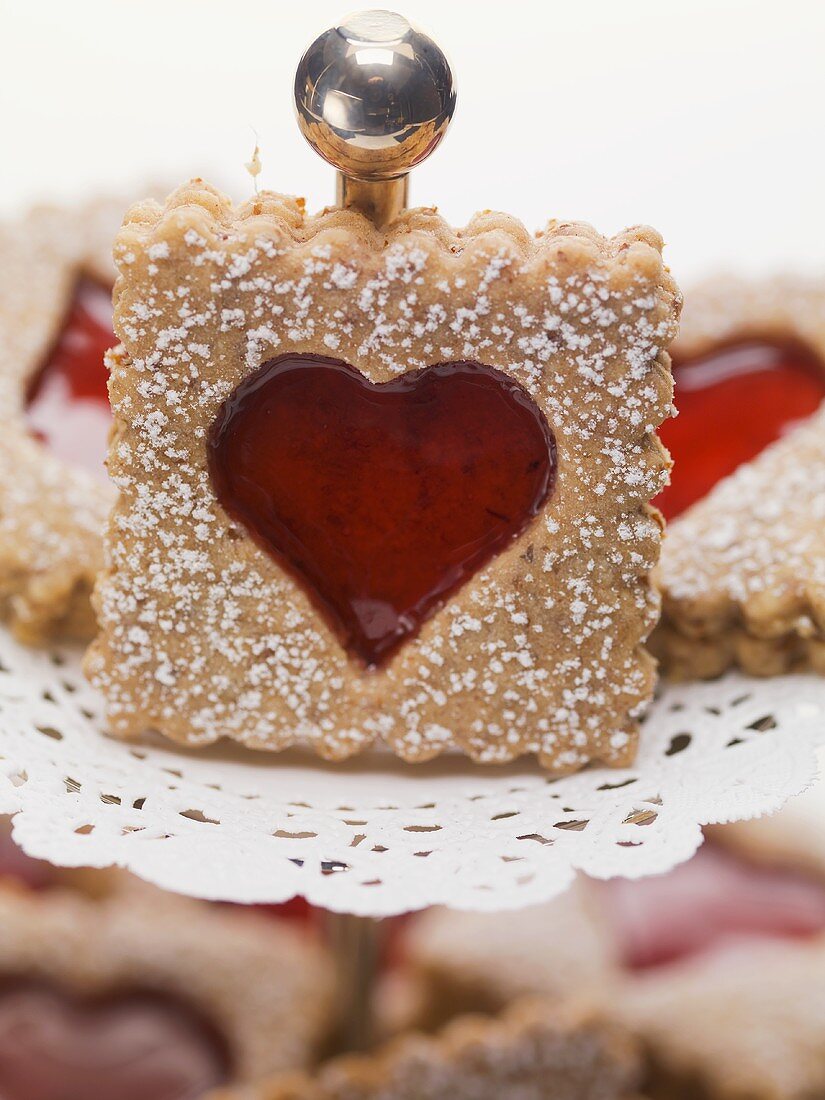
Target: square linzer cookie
{"points": [[383, 484]]}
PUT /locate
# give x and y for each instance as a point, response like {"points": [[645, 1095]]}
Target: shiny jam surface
{"points": [[129, 1047], [733, 401], [714, 900], [67, 403], [381, 499]]}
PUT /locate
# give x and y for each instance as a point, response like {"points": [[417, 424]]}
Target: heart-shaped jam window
{"points": [[733, 401], [131, 1047], [67, 405], [381, 498]]}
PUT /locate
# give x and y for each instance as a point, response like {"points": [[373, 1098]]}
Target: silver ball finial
{"points": [[374, 97]]}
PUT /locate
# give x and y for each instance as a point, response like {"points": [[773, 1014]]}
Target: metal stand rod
{"points": [[356, 944], [380, 200]]}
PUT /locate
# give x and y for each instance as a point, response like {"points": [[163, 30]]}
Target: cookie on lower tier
{"points": [[142, 994], [535, 1051], [383, 484]]}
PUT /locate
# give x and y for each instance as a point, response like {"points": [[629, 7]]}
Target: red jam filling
{"points": [[733, 401], [381, 499], [712, 901], [67, 403], [131, 1047]]}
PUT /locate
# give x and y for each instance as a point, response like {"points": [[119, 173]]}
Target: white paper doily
{"points": [[376, 837]]}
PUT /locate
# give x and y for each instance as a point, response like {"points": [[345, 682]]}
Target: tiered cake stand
{"points": [[374, 837]]}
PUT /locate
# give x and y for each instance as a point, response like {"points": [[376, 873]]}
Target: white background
{"points": [[703, 118]]}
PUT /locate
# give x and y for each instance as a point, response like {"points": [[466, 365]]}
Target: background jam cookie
{"points": [[143, 994], [55, 325], [383, 484], [535, 1051], [743, 571]]}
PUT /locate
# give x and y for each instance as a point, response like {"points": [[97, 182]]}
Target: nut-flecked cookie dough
{"points": [[260, 988], [534, 1051], [209, 628], [52, 512]]}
